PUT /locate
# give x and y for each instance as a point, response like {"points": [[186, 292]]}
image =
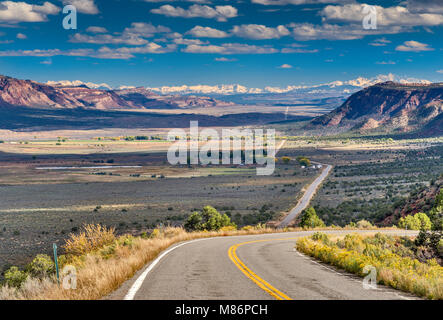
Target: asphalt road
{"points": [[256, 267], [306, 199]]}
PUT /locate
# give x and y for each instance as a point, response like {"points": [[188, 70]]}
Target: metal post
{"points": [[56, 263]]}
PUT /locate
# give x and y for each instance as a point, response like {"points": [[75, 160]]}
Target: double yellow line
{"points": [[232, 252]]}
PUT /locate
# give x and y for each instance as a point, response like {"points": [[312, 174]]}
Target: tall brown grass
{"points": [[104, 262], [90, 238], [102, 269]]}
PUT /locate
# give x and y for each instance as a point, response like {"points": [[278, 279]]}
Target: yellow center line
{"points": [[274, 292]]}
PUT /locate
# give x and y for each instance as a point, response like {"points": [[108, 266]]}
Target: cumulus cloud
{"points": [[221, 13], [295, 50], [285, 66], [21, 36], [308, 31], [108, 39], [187, 41], [15, 12], [259, 32], [414, 46], [207, 32], [392, 16], [101, 53], [425, 6], [83, 6], [135, 35]]}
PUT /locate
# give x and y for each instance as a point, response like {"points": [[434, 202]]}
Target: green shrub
{"points": [[15, 277], [42, 266], [364, 224], [419, 221], [310, 219], [320, 236], [209, 219], [440, 248]]}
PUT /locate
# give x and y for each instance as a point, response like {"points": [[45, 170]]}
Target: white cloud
{"points": [[285, 66], [102, 53], [259, 32], [21, 36], [224, 59], [297, 2], [108, 39], [46, 62], [135, 35], [386, 62], [413, 46], [440, 71], [294, 50], [83, 6], [94, 29], [221, 13], [14, 12], [425, 6], [382, 42], [194, 1], [145, 29], [230, 48], [207, 32], [392, 16], [308, 31], [187, 41]]}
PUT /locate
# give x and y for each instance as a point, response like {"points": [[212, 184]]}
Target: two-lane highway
{"points": [[257, 267], [306, 199]]}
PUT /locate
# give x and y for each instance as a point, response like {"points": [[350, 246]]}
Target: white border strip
{"points": [[138, 283]]}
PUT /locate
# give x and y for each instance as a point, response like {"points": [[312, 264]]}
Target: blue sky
{"points": [[255, 43]]}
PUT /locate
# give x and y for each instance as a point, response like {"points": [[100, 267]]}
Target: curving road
{"points": [[257, 267], [306, 199]]}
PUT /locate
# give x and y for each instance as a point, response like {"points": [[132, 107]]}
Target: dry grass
{"points": [[104, 263], [103, 270], [91, 238], [403, 273]]}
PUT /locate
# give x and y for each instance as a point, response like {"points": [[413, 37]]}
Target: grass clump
{"points": [[395, 263], [92, 237]]}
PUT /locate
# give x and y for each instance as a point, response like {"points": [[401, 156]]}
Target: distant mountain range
{"points": [[340, 87], [389, 107], [383, 107], [31, 94], [331, 94]]}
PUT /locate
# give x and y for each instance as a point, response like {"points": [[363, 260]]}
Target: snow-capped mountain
{"points": [[335, 87]]}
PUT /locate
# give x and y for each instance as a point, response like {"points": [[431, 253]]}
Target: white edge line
{"points": [[348, 276], [138, 283]]}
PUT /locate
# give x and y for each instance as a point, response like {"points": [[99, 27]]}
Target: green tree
{"points": [[425, 222], [419, 221], [310, 219], [194, 222], [436, 213], [209, 219], [304, 161]]}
